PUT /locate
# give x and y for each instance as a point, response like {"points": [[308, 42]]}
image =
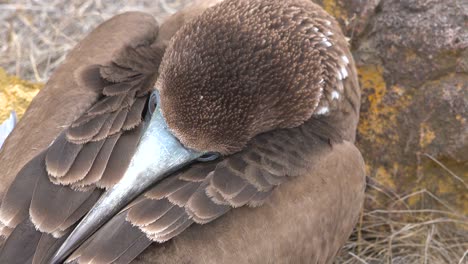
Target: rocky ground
{"points": [[412, 58]]}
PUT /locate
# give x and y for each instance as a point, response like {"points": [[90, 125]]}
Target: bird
{"points": [[225, 135]]}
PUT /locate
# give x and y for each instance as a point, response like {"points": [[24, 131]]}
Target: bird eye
{"points": [[210, 156], [153, 102]]}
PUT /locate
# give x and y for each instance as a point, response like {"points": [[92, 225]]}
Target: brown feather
{"points": [[123, 235], [181, 196], [120, 157], [88, 130], [259, 198], [202, 208], [134, 115], [226, 182], [15, 203], [81, 210], [20, 246], [175, 232], [166, 188], [215, 196], [106, 127], [107, 104], [46, 247], [82, 120], [117, 88], [61, 155], [169, 218], [99, 164], [115, 73], [118, 122], [82, 164], [241, 199], [198, 172], [147, 211], [52, 204], [134, 250], [254, 175], [142, 57], [169, 229]]}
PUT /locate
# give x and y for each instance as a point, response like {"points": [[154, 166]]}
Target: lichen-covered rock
{"points": [[412, 58], [15, 94]]}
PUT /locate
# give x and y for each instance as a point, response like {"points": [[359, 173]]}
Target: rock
{"points": [[412, 58]]}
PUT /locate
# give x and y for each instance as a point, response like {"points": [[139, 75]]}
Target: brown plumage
{"points": [[269, 84]]}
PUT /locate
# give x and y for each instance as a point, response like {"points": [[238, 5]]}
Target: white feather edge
{"points": [[7, 126]]}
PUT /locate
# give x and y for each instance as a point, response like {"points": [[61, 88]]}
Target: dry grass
{"points": [[392, 231], [39, 33]]}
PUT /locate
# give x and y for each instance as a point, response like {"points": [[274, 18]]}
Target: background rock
{"points": [[412, 58]]}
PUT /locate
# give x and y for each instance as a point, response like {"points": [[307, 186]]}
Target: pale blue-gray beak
{"points": [[158, 154]]}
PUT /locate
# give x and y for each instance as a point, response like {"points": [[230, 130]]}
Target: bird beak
{"points": [[158, 154]]}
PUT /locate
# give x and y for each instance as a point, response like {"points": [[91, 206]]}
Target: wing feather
{"points": [[52, 204], [147, 211], [120, 157], [100, 163], [58, 186], [61, 155], [20, 246], [83, 163], [15, 203]]}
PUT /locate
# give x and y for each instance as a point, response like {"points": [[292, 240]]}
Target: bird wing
{"points": [[58, 185], [80, 131], [204, 192]]}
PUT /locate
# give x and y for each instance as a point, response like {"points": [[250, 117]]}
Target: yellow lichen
{"points": [[15, 94], [426, 135], [461, 119], [384, 177], [380, 118], [333, 8]]}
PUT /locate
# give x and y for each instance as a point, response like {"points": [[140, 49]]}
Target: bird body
{"points": [[269, 85]]}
